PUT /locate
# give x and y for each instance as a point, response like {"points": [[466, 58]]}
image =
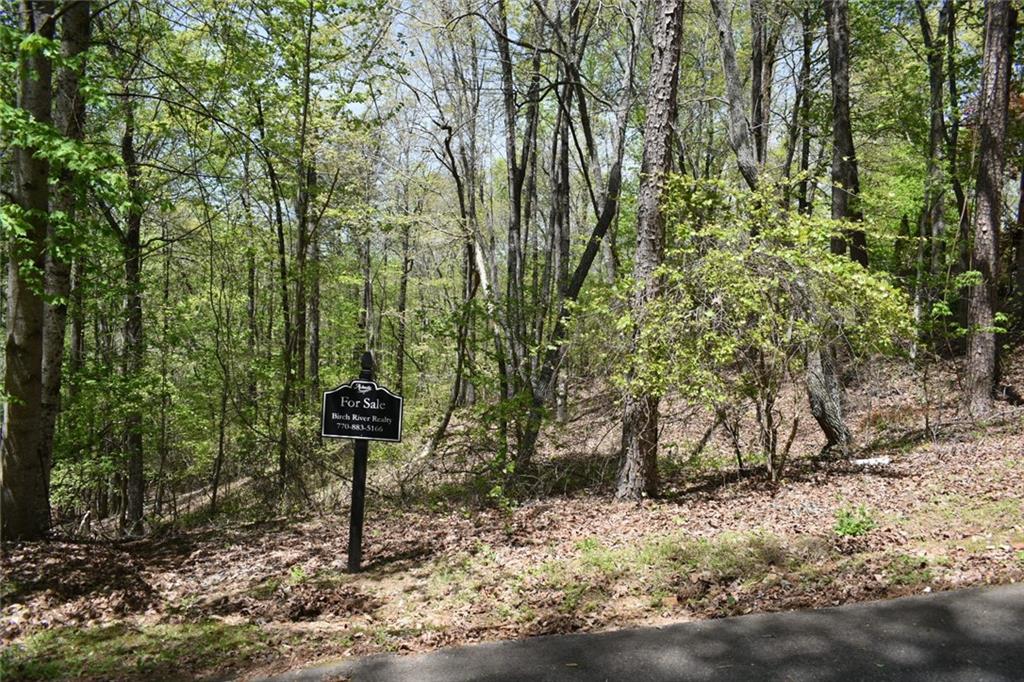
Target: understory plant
{"points": [[748, 288]]}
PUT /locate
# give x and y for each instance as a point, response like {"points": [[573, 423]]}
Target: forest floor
{"points": [[944, 511]]}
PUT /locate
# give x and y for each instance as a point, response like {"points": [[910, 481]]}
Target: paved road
{"points": [[975, 635]]}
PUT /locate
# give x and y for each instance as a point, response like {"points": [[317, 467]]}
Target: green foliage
{"points": [[748, 289], [910, 571], [853, 522]]}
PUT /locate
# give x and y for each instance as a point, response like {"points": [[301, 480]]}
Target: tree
{"points": [[845, 178], [934, 225], [993, 107], [638, 473], [69, 118], [25, 498]]}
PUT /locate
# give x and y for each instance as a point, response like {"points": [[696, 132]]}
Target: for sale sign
{"points": [[363, 410]]}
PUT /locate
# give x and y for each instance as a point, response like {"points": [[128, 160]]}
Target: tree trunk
{"points": [[845, 179], [69, 118], [24, 503], [306, 177], [218, 463], [935, 183], [638, 473], [134, 350], [1017, 282], [825, 395], [403, 289], [165, 395], [287, 340], [314, 315], [1000, 24], [952, 146], [366, 308], [739, 129], [762, 70], [807, 42], [77, 360]]}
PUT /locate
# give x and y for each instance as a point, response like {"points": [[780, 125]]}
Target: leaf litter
{"points": [[947, 512]]}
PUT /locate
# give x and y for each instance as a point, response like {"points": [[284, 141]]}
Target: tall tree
{"points": [[638, 473], [993, 107], [24, 501], [69, 118], [934, 223], [845, 178]]}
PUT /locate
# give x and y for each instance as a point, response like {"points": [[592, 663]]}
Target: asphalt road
{"points": [[975, 635]]}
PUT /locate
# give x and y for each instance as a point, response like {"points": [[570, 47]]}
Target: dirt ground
{"points": [[941, 509]]}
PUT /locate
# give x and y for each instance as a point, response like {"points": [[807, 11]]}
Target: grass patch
{"points": [[8, 590], [909, 571], [124, 652], [990, 515], [656, 570], [732, 557], [854, 522]]}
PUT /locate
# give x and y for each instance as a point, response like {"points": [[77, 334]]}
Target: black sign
{"points": [[361, 409]]}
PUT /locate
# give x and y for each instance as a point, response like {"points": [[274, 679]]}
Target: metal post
{"points": [[362, 451]]}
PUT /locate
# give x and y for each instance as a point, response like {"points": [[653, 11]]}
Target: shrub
{"points": [[854, 522], [748, 289]]}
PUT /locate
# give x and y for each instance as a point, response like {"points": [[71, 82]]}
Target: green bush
{"points": [[748, 289], [854, 522]]}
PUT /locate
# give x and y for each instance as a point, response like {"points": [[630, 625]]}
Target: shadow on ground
{"points": [[968, 635]]}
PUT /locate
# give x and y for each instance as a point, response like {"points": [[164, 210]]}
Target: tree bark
{"points": [[306, 182], [739, 128], [845, 178], [1017, 281], [1000, 24], [638, 473], [288, 340], [24, 503], [807, 41], [935, 183], [134, 344], [69, 118], [826, 398], [403, 290], [314, 314]]}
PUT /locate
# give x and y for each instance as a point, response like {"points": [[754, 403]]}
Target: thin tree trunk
{"points": [[1000, 25], [366, 309], [218, 463], [1017, 282], [935, 194], [134, 352], [403, 289], [287, 339], [306, 184], [807, 42], [952, 146], [69, 118], [314, 315], [544, 383], [77, 360], [638, 473], [24, 502], [165, 396]]}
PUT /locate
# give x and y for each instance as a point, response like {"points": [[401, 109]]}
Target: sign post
{"points": [[363, 411]]}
